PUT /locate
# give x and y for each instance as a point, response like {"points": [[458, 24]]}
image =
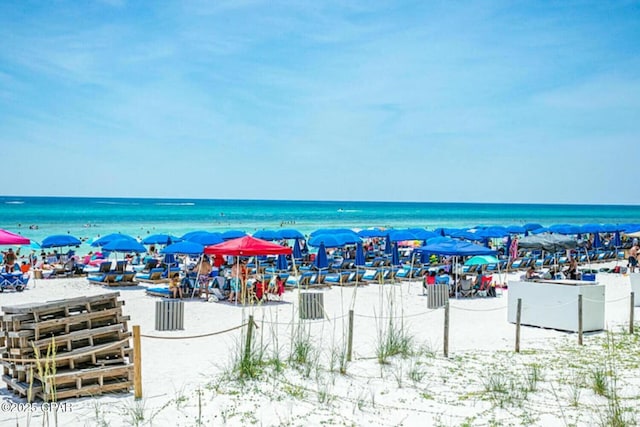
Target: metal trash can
{"points": [[437, 295], [169, 315], [311, 305]]}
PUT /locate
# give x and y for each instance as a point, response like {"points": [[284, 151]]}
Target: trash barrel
{"points": [[169, 315], [311, 305]]}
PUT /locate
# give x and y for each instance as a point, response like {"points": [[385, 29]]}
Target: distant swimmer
{"points": [[221, 213]]}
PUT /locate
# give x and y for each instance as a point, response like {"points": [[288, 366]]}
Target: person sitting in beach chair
{"points": [[276, 286], [175, 288], [259, 289], [531, 274], [429, 279]]}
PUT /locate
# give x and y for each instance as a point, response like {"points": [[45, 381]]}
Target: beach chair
{"points": [[13, 281], [465, 289], [104, 279], [153, 276], [126, 279], [341, 278], [371, 276]]}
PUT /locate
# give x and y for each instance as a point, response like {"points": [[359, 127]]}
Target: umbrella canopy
{"points": [[205, 238], [289, 233], [321, 260], [617, 241], [372, 232], [629, 228], [186, 236], [482, 260], [233, 234], [332, 240], [184, 248], [332, 231], [468, 235], [493, 232], [360, 261], [160, 239], [401, 235], [247, 246], [124, 245], [422, 234], [591, 228], [104, 240], [456, 248], [297, 253], [517, 229], [9, 238], [267, 235], [59, 240], [532, 226], [281, 262], [565, 229]]}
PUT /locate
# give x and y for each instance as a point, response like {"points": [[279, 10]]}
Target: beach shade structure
{"points": [[565, 229], [422, 234], [160, 239], [493, 232], [348, 238], [183, 248], [387, 245], [547, 242], [60, 240], [233, 234], [186, 236], [395, 255], [281, 262], [540, 230], [590, 228], [104, 240], [321, 260], [205, 238], [266, 235], [360, 260], [9, 238], [332, 240], [517, 229], [297, 252], [289, 233], [247, 246], [596, 241], [454, 247], [530, 226], [467, 235], [617, 241], [331, 231], [372, 232], [124, 245], [629, 228], [401, 236], [482, 260]]}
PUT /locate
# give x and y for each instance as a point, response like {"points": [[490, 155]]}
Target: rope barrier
{"points": [[198, 336], [474, 309], [394, 317], [71, 356]]}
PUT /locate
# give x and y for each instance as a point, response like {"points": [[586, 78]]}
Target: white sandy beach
{"points": [[188, 382]]}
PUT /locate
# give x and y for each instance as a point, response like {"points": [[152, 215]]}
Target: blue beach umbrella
{"points": [[596, 240], [387, 246], [297, 253], [395, 256], [332, 231], [617, 241], [124, 245], [183, 248], [327, 240], [187, 236], [59, 240], [266, 235], [233, 234], [348, 239], [359, 261], [532, 226], [206, 239], [321, 260], [401, 235], [281, 262], [372, 232], [482, 260], [289, 233], [421, 234], [160, 239], [516, 229], [104, 240]]}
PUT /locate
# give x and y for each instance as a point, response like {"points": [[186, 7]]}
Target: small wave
{"points": [[349, 210], [15, 202], [176, 204], [116, 203]]}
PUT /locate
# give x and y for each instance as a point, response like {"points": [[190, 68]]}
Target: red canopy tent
{"points": [[9, 238], [247, 246]]}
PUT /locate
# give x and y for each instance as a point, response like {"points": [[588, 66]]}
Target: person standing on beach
{"points": [[633, 258]]}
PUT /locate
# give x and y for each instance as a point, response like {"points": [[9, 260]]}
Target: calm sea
{"points": [[91, 217]]}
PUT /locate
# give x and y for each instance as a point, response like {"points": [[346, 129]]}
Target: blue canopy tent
{"points": [[183, 248]]}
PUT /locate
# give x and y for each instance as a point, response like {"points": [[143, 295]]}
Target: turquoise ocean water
{"points": [[91, 217]]}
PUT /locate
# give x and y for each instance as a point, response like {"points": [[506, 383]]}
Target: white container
{"points": [[635, 288], [554, 304]]}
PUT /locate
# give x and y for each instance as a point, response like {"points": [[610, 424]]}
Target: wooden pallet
{"points": [[91, 346]]}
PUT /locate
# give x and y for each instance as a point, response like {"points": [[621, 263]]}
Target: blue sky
{"points": [[414, 101]]}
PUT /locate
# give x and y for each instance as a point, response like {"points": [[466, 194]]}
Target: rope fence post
{"points": [[350, 337], [580, 319], [631, 307], [446, 329], [518, 317], [247, 349], [137, 363]]}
